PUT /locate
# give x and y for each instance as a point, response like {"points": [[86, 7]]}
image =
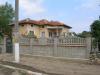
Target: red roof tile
{"points": [[43, 22], [55, 23], [27, 21]]}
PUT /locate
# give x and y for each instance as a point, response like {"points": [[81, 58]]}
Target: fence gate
{"points": [[9, 45]]}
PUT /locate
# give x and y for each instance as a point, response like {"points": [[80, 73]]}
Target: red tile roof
{"points": [[56, 23], [27, 21], [43, 22]]}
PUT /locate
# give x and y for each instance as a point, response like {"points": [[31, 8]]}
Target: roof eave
{"points": [[68, 26]]}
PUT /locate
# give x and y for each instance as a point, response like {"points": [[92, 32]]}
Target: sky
{"points": [[79, 14]]}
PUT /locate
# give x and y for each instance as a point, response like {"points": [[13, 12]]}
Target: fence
{"points": [[69, 47], [3, 45]]}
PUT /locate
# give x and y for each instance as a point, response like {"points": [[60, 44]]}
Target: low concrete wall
{"points": [[66, 50], [71, 47]]}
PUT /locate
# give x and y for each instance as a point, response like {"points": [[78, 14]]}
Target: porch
{"points": [[54, 31]]}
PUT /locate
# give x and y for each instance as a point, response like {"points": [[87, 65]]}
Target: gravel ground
{"points": [[60, 66]]}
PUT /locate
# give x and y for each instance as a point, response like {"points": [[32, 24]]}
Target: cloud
{"points": [[3, 1], [32, 6], [88, 4]]}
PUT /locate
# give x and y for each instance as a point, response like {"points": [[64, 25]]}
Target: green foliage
{"points": [[85, 34], [6, 17], [1, 36], [94, 43], [93, 58], [95, 29]]}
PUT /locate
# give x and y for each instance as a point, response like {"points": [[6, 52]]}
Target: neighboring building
{"points": [[42, 28]]}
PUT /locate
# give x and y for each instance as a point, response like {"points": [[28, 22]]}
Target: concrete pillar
{"points": [[17, 55], [55, 46], [88, 46], [31, 45], [16, 47]]}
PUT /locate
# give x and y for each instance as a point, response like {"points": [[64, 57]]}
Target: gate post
{"points": [[88, 46]]}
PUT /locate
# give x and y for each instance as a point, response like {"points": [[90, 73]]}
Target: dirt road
{"points": [[60, 66]]}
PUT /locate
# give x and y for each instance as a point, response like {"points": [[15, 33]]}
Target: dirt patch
{"points": [[5, 71], [26, 67]]}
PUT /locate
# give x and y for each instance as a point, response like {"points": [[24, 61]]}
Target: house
{"points": [[42, 28]]}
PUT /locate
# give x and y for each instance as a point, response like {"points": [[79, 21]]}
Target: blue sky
{"points": [[79, 14]]}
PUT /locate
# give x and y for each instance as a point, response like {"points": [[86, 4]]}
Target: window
{"points": [[42, 34], [42, 26], [31, 33], [55, 34], [64, 34], [50, 34]]}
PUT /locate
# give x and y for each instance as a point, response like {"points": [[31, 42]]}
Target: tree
{"points": [[6, 17], [85, 34], [95, 31]]}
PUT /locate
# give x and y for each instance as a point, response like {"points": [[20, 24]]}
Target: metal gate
{"points": [[9, 45]]}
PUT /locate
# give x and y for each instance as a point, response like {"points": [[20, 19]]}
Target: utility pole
{"points": [[16, 34]]}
